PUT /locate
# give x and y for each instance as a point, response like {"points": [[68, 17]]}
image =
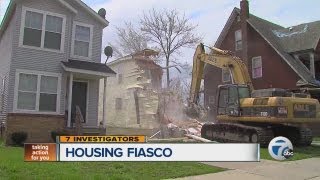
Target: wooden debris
{"points": [[78, 121], [197, 138], [168, 140], [155, 134]]}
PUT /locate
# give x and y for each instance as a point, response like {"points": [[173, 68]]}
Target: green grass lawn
{"points": [[12, 166], [298, 153], [316, 138]]}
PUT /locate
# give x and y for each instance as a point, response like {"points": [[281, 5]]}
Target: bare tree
{"points": [[182, 83], [130, 39], [170, 31]]}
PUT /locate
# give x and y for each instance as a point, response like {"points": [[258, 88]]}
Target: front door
{"points": [[79, 98]]}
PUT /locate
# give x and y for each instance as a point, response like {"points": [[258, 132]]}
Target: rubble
{"points": [[198, 138], [190, 126], [178, 128]]}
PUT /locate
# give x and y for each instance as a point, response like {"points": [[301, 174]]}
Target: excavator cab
{"points": [[229, 97]]}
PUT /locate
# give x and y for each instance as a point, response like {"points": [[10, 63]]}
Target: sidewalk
{"points": [[266, 169]]}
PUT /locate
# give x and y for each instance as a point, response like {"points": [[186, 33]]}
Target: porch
{"points": [[312, 62], [82, 96]]}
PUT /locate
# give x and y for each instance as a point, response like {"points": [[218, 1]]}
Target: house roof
{"points": [[282, 41], [71, 65], [12, 4], [143, 62], [146, 52], [298, 38], [143, 55]]}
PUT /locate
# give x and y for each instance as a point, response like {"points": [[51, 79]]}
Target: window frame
{"points": [[120, 78], [75, 23], [39, 74], [238, 18], [252, 68], [223, 71], [43, 30], [236, 41], [212, 100], [118, 107]]}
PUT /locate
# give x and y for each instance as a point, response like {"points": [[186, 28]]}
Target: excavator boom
{"points": [[220, 59]]}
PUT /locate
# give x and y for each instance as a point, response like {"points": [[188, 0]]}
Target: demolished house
{"points": [[132, 97]]}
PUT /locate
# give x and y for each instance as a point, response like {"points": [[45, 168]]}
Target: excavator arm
{"points": [[221, 59]]}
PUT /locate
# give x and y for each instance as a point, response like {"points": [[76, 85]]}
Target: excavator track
{"points": [[241, 133], [299, 136], [305, 135], [237, 133]]}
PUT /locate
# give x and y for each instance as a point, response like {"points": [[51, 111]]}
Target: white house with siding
{"points": [[50, 54]]}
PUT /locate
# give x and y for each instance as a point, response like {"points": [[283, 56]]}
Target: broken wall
{"points": [[130, 102]]}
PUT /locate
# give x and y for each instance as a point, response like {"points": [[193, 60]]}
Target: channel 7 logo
{"points": [[280, 148]]}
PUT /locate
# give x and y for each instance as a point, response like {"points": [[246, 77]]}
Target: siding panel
{"points": [[6, 44]]}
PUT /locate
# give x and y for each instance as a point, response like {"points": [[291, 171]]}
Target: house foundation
{"points": [[37, 126]]}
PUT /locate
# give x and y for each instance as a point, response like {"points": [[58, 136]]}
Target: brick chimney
{"points": [[244, 15], [244, 9]]}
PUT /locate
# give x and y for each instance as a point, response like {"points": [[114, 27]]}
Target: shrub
{"points": [[19, 138], [54, 134]]}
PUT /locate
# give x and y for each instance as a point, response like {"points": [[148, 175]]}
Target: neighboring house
{"points": [[132, 96], [276, 57], [50, 62]]}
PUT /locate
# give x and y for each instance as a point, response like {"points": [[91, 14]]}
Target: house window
{"points": [[120, 75], [37, 91], [256, 67], [42, 29], [211, 99], [147, 73], [238, 40], [82, 40], [120, 78], [33, 29], [53, 34], [48, 93], [118, 103], [225, 75]]}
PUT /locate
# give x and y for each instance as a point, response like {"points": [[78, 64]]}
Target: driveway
{"points": [[266, 169]]}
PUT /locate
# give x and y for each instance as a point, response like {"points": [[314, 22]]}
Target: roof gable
{"points": [[272, 34], [92, 12], [235, 12], [12, 5]]}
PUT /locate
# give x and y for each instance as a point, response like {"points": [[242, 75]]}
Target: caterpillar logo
{"points": [[301, 107]]}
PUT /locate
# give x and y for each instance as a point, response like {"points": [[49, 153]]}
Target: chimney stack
{"points": [[244, 9], [244, 16]]}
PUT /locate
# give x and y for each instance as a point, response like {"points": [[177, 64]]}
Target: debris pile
{"points": [[190, 126], [180, 131]]}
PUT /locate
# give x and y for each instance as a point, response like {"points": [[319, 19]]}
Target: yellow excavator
{"points": [[245, 115]]}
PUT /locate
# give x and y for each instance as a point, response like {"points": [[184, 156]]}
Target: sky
{"points": [[209, 15]]}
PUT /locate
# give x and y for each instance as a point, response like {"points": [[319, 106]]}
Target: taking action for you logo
{"points": [[280, 148]]}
